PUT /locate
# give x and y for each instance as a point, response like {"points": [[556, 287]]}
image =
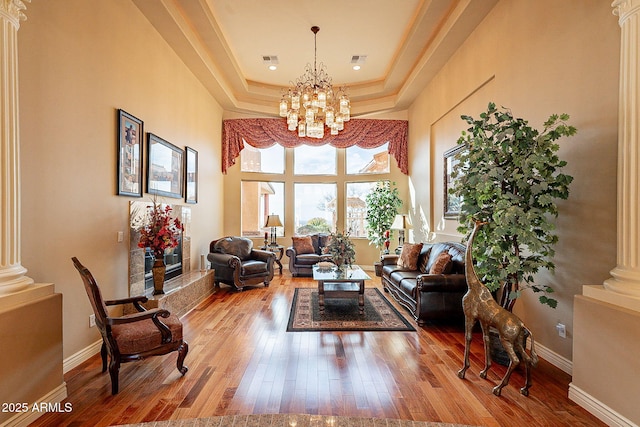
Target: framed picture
{"points": [[452, 203], [165, 168], [129, 175], [191, 177]]}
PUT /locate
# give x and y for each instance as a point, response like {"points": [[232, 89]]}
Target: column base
{"points": [[13, 279], [624, 281]]}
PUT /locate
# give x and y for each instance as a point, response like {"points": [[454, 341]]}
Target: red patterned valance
{"points": [[263, 133]]}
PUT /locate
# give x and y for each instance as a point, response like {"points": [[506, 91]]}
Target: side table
{"points": [[278, 250]]}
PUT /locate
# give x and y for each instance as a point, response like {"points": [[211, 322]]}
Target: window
{"points": [[265, 160], [308, 160], [367, 160], [259, 199], [356, 209], [315, 208]]}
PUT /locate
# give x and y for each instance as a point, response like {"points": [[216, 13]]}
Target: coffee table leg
{"points": [[361, 297], [321, 296]]}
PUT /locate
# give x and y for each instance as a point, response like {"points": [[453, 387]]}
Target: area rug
{"points": [[287, 420], [342, 314]]}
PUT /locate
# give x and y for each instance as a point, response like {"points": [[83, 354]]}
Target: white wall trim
{"points": [[597, 408], [52, 399], [554, 358], [83, 355]]}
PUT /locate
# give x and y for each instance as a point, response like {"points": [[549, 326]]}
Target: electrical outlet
{"points": [[120, 236], [92, 320], [562, 330]]}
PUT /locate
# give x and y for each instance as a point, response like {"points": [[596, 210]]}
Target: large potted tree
{"points": [[509, 175], [383, 203]]}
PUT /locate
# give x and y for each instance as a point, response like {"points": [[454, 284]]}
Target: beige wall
{"points": [[79, 62], [606, 360], [536, 58]]}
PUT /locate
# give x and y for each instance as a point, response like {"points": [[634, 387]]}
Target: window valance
{"points": [[265, 132]]}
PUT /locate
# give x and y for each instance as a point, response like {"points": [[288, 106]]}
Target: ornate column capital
{"points": [[625, 8], [12, 10]]}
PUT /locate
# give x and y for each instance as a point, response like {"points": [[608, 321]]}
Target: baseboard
{"points": [[47, 403], [597, 408], [83, 355], [555, 359]]}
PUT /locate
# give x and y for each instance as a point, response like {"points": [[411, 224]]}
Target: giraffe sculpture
{"points": [[479, 305]]}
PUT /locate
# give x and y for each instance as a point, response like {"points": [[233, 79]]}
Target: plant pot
{"points": [[158, 271]]}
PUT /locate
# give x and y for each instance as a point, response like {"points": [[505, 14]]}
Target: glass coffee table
{"points": [[347, 283]]}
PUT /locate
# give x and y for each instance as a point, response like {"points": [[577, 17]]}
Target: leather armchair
{"points": [[237, 264]]}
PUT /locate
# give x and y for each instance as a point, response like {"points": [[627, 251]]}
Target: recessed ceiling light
{"points": [[273, 67], [356, 67]]}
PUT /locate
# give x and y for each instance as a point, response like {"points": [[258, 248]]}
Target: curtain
{"points": [[264, 133]]}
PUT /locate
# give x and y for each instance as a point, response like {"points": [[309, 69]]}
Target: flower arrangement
{"points": [[341, 249], [158, 230]]}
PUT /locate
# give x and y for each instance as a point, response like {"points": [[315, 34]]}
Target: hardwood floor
{"points": [[242, 361]]}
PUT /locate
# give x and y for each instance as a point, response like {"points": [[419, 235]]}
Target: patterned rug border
{"points": [[402, 324], [287, 420]]}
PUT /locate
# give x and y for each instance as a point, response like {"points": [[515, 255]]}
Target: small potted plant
{"points": [[341, 249]]}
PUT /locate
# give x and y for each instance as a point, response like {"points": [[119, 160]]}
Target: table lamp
{"points": [[401, 222], [273, 221]]}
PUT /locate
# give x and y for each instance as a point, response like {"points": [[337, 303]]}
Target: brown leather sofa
{"points": [[236, 263], [301, 261], [428, 296]]}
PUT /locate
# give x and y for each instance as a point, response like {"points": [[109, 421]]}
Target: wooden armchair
{"points": [[133, 336]]}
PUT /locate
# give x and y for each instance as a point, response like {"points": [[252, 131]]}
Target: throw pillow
{"points": [[442, 264], [302, 245], [409, 256]]}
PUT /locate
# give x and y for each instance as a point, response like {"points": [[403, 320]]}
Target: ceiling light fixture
{"points": [[311, 102]]}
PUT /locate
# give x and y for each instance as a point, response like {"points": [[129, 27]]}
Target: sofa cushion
{"points": [[253, 267], [423, 260], [303, 245], [308, 259], [409, 256], [238, 246], [442, 264]]}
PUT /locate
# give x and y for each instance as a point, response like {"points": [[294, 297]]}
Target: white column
{"points": [[12, 273]]}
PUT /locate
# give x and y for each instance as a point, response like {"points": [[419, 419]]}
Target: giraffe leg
{"points": [[508, 346], [469, 322], [528, 362], [487, 351]]}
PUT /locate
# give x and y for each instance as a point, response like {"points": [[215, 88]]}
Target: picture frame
{"points": [[130, 151], [452, 203], [191, 175], [165, 168]]}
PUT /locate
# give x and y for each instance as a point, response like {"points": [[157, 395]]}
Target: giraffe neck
{"points": [[473, 282]]}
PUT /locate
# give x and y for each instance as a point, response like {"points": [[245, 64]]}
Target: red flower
{"points": [[161, 231]]}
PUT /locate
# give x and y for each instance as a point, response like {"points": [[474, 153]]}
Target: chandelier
{"points": [[311, 103]]}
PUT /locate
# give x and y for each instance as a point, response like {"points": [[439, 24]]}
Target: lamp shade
{"points": [[273, 221], [401, 222]]}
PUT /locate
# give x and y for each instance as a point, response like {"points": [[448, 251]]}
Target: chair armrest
{"points": [[291, 252], [225, 260], [441, 283], [260, 255], [389, 259], [149, 314], [133, 300]]}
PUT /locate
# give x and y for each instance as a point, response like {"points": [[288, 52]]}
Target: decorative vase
{"points": [[158, 270]]}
